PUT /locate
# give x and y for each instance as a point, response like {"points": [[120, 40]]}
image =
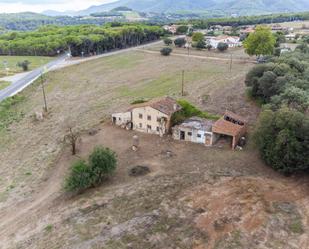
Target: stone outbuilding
{"points": [[195, 130], [230, 125]]}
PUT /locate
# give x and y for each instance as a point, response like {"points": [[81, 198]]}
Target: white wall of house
{"points": [[121, 119], [193, 135], [231, 41]]}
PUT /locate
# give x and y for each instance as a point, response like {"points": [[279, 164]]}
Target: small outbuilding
{"points": [[195, 130], [230, 125]]}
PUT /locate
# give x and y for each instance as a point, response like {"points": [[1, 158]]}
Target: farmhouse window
{"points": [[189, 133], [149, 117], [199, 135], [149, 127], [140, 116], [140, 125]]}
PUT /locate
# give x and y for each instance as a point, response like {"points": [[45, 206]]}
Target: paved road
{"points": [[22, 83], [60, 62]]}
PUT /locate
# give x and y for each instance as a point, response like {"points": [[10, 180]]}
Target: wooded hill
{"points": [[86, 39]]}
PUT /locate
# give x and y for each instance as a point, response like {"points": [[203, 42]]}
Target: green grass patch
{"points": [[125, 61], [4, 84], [11, 63], [139, 101], [9, 112], [296, 227], [188, 111], [166, 84], [48, 228]]}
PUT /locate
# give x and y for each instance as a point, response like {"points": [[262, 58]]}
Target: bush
{"points": [[166, 51], [101, 164], [181, 30], [180, 42], [201, 45], [80, 177], [222, 46], [188, 111], [24, 65], [168, 41], [138, 101], [283, 139]]}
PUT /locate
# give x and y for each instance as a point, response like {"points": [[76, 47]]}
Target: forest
{"points": [[250, 20], [79, 40]]}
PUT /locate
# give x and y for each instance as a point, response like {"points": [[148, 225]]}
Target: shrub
{"points": [[79, 178], [188, 111], [182, 30], [168, 41], [24, 65], [101, 164], [201, 44], [180, 42], [166, 51], [222, 46], [138, 101]]}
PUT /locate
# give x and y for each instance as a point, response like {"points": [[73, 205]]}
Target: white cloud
{"points": [[18, 6]]}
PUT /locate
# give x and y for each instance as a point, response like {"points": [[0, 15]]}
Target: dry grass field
{"points": [[194, 197]]}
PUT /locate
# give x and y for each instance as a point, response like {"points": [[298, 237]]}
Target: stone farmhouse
{"points": [[152, 117], [155, 117]]}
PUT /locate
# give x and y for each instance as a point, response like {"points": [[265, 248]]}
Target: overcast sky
{"points": [[11, 6]]}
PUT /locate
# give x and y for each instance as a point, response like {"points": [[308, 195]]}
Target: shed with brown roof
{"points": [[231, 125]]}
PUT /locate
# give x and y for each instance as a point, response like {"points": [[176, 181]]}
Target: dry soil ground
{"points": [[194, 197]]}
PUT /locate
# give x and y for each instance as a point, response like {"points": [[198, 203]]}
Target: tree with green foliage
{"points": [[166, 51], [222, 46], [168, 41], [200, 44], [79, 178], [24, 65], [208, 47], [180, 42], [283, 139], [261, 42], [80, 40], [198, 36], [101, 164], [181, 30]]}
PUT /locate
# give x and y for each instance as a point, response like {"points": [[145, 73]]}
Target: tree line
{"points": [[282, 86], [80, 40], [248, 20]]}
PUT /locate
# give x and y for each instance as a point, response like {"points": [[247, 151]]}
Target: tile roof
{"points": [[166, 105], [227, 128], [222, 126]]}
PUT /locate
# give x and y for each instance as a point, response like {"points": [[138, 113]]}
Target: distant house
{"points": [[171, 28], [232, 41], [152, 117], [290, 37], [195, 130], [247, 31], [230, 125]]}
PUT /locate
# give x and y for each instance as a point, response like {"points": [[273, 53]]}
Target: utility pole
{"points": [[231, 62], [44, 95], [183, 83]]}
